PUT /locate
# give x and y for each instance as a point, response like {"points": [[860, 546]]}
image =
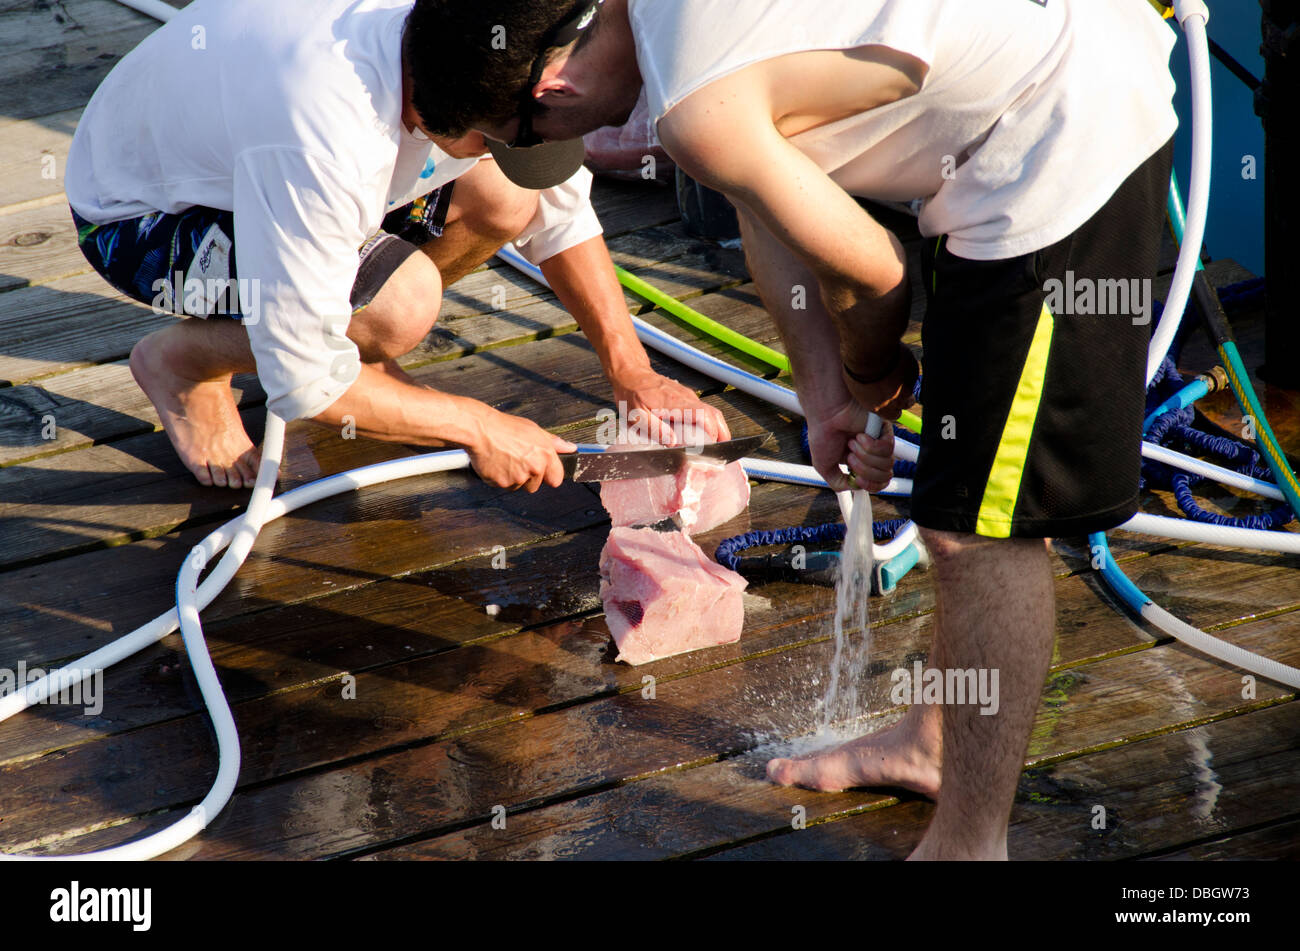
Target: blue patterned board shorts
{"points": [[184, 263]]}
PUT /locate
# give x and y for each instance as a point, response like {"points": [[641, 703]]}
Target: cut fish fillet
{"points": [[703, 495], [663, 596]]}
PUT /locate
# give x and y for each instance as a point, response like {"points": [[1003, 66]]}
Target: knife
{"points": [[599, 464]]}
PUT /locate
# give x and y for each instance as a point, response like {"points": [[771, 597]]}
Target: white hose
{"points": [[1184, 529], [239, 534], [1193, 17], [154, 8], [1200, 467], [214, 698], [1221, 650], [774, 471]]}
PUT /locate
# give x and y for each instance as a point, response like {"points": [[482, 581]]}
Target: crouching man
{"points": [[270, 149]]}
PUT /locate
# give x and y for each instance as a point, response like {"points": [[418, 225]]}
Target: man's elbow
{"points": [[699, 157]]}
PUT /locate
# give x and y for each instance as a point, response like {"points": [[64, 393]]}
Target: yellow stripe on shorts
{"points": [[1003, 487]]}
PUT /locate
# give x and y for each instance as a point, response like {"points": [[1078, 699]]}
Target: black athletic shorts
{"points": [[146, 258], [1034, 383]]}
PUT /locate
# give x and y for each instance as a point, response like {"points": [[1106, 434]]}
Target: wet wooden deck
{"points": [[460, 715]]}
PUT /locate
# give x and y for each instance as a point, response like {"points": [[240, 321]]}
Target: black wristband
{"points": [[859, 378]]}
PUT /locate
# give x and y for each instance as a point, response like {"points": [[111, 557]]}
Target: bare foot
{"points": [[928, 851], [199, 416], [896, 756]]}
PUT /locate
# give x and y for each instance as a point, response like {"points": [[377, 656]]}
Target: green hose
{"points": [[697, 320], [1238, 378], [723, 333]]}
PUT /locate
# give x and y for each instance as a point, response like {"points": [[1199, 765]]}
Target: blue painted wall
{"points": [[1236, 221]]}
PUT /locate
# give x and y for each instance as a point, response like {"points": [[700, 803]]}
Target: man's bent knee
{"points": [[490, 206], [947, 546], [402, 314], [503, 220]]}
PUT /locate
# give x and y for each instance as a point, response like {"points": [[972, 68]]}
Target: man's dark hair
{"points": [[470, 59]]}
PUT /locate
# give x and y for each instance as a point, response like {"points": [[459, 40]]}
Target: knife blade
{"points": [[609, 465]]}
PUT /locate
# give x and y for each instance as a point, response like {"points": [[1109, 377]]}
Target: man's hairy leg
{"points": [[998, 603]]}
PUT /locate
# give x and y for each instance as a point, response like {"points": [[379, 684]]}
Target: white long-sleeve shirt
{"points": [[288, 114]]}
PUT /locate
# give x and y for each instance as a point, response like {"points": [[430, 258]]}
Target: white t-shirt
{"points": [[1032, 114], [288, 114]]}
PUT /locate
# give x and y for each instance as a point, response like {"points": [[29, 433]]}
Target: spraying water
{"points": [[843, 703]]}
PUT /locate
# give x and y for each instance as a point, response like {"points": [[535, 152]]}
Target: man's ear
{"points": [[555, 87]]}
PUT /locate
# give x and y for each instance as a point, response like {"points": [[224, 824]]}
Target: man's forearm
{"points": [[870, 323], [583, 278], [789, 290], [385, 407]]}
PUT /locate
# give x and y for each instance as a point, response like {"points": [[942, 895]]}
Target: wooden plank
{"points": [[1162, 791], [523, 590], [342, 543], [498, 680], [631, 206], [1280, 840], [70, 48], [78, 409], [534, 582], [711, 806], [73, 322], [666, 815], [36, 24], [31, 597], [699, 722], [45, 498], [24, 145], [38, 245], [1156, 791], [374, 631]]}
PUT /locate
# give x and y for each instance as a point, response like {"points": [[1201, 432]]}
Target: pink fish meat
{"points": [[663, 596], [704, 494]]}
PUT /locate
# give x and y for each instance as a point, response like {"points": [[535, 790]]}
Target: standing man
{"points": [[261, 159], [1036, 134]]}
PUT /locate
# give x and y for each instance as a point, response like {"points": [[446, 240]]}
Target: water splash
{"points": [[844, 699]]}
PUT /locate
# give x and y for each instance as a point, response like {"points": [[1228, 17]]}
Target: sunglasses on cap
{"points": [[564, 33]]}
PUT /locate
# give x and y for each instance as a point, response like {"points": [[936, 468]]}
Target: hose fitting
{"points": [[1214, 379]]}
